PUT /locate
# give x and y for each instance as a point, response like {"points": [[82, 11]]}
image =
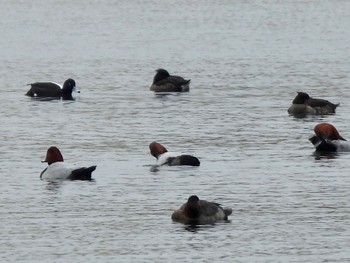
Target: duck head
{"points": [[53, 155], [157, 149], [192, 209], [161, 74], [68, 87], [301, 98], [327, 131]]}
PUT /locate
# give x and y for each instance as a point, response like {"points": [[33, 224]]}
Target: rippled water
{"points": [[246, 61]]}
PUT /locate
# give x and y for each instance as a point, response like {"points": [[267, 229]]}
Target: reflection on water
{"points": [[197, 228], [52, 98], [154, 168], [325, 155], [53, 186], [165, 95]]}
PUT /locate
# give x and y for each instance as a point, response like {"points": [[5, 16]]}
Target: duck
{"points": [[303, 104], [171, 158], [164, 82], [200, 212], [328, 139], [52, 89], [56, 169]]}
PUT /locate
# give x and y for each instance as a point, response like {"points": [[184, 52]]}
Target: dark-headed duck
{"points": [[52, 90], [303, 104], [200, 212], [164, 82], [328, 139], [170, 158], [58, 171]]}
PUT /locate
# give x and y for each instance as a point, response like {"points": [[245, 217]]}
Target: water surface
{"points": [[246, 61]]}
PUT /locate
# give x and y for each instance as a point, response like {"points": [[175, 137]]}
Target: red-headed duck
{"points": [[164, 82], [170, 158], [303, 104], [52, 90], [58, 171], [328, 139], [200, 212]]}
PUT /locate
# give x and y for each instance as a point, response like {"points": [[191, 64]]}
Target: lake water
{"points": [[246, 61]]}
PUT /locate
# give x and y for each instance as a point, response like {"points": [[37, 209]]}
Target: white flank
{"points": [[163, 158], [342, 146], [56, 171]]}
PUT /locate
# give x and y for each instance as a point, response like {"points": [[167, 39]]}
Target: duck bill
{"points": [[75, 89]]}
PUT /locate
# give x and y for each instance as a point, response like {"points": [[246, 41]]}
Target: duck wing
{"points": [[44, 89], [321, 103], [171, 84], [209, 208], [212, 212], [177, 80]]}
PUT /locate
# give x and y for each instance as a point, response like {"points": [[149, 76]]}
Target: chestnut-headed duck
{"points": [[328, 139], [164, 82], [303, 104], [52, 89], [171, 158], [58, 171], [200, 212]]}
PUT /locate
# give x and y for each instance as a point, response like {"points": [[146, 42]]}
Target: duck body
{"points": [[326, 145], [164, 82], [200, 212], [52, 89], [304, 104], [171, 158], [328, 139], [58, 171]]}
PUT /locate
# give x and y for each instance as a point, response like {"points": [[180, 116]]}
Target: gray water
{"points": [[246, 61]]}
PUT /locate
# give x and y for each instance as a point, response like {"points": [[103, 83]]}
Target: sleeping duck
{"points": [[200, 212], [303, 104], [171, 158], [328, 139], [164, 82]]}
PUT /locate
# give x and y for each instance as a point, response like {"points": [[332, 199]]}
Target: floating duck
{"points": [[170, 158], [58, 171], [303, 104], [164, 82], [52, 89], [200, 212], [328, 139]]}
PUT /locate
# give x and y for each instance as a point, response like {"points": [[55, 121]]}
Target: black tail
{"points": [[82, 173], [184, 160]]}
